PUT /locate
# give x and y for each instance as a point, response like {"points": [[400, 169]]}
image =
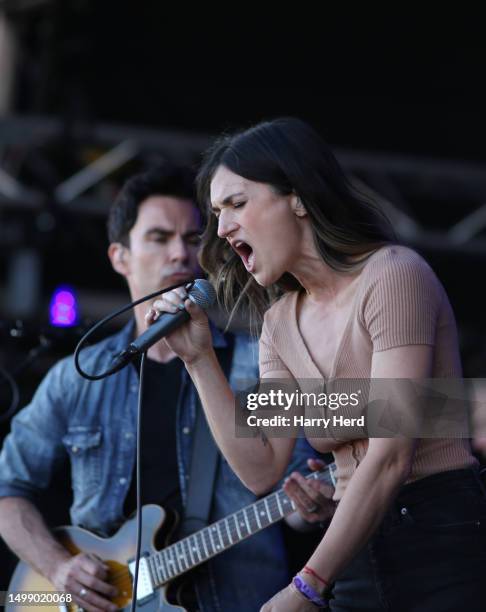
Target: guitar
{"points": [[157, 568]]}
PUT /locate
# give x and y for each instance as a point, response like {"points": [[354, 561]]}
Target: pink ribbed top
{"points": [[398, 301]]}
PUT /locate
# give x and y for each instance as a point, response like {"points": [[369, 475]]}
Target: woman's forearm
{"points": [[369, 494], [259, 462]]}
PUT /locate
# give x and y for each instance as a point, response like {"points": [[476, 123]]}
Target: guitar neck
{"points": [[180, 557]]}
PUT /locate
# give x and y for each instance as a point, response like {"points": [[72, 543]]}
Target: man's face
{"points": [[163, 245]]}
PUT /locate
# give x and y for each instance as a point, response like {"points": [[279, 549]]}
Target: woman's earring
{"points": [[299, 208]]}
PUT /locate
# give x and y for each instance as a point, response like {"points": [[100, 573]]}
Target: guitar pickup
{"points": [[145, 589]]}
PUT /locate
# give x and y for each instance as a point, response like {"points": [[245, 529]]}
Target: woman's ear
{"points": [[297, 207], [118, 257]]}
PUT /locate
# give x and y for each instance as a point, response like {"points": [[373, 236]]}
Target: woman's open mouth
{"points": [[245, 251]]}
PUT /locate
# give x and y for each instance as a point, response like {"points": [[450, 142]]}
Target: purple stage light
{"points": [[63, 309]]}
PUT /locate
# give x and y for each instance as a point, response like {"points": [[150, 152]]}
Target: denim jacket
{"points": [[94, 424]]}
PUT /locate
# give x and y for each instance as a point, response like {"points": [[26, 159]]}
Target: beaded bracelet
{"points": [[308, 592]]}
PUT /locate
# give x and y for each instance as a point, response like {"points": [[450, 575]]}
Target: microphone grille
{"points": [[202, 293]]}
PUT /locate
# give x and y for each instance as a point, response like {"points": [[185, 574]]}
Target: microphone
{"points": [[201, 293]]}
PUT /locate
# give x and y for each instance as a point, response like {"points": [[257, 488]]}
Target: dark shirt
{"points": [[159, 470]]}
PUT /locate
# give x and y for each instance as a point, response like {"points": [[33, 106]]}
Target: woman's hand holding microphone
{"points": [[192, 340]]}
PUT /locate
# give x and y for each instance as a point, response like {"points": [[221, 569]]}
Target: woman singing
{"points": [[409, 529]]}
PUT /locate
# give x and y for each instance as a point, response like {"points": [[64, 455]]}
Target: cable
{"points": [[106, 319], [139, 481], [15, 396]]}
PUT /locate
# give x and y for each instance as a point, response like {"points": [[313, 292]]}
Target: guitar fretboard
{"points": [[180, 557]]}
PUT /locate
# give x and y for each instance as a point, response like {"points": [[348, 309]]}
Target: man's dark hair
{"points": [[163, 180]]}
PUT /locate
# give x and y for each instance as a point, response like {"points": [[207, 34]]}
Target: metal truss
{"points": [[434, 204]]}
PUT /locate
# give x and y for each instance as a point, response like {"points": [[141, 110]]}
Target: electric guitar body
{"points": [[116, 552]]}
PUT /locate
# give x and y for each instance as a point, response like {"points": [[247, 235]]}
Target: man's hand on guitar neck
{"points": [[312, 498], [84, 577]]}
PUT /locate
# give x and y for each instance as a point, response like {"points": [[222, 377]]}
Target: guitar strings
{"points": [[272, 506]]}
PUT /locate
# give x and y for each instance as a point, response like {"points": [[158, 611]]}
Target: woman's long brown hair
{"points": [[291, 157]]}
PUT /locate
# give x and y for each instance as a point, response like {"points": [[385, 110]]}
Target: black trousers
{"points": [[428, 555]]}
